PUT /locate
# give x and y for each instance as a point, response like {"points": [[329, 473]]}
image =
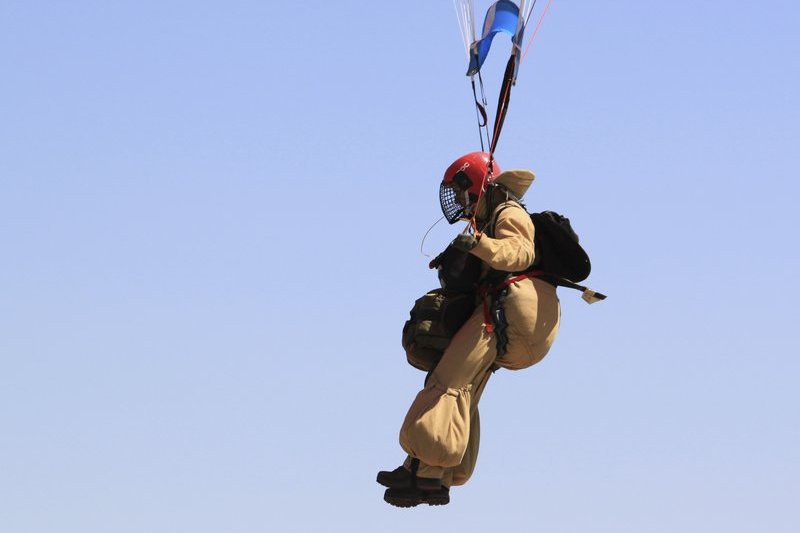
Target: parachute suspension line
{"points": [[466, 24], [528, 15], [516, 39], [536, 30]]}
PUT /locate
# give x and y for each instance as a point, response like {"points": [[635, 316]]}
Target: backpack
{"points": [[557, 249]]}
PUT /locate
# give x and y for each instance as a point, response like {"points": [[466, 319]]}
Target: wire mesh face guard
{"points": [[452, 209]]}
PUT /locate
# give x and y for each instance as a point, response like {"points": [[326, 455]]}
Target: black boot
{"points": [[412, 497], [401, 478]]}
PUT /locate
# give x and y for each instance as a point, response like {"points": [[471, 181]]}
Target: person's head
{"points": [[464, 182]]}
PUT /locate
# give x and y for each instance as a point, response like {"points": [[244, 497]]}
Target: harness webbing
{"points": [[502, 103]]}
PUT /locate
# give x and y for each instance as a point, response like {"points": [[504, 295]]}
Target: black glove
{"points": [[464, 242]]}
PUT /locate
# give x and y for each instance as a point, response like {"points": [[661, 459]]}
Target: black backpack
{"points": [[557, 249]]}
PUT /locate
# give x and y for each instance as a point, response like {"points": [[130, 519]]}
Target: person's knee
{"points": [[437, 425]]}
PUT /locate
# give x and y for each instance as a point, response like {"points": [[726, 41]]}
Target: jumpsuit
{"points": [[442, 427]]}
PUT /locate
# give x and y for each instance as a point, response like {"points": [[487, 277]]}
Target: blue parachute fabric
{"points": [[502, 16]]}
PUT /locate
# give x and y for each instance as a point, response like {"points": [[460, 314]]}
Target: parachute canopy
{"points": [[502, 16]]}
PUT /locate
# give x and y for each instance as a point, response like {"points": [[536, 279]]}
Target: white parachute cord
{"points": [[465, 22], [520, 25], [528, 14], [471, 19], [422, 242], [460, 21]]}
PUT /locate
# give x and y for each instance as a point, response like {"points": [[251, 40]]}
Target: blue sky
{"points": [[211, 217]]}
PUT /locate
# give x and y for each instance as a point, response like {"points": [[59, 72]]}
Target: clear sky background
{"points": [[210, 220]]}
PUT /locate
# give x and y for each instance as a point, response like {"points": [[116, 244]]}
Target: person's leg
{"points": [[460, 474], [437, 430]]}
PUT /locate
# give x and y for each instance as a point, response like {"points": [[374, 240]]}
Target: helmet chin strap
{"points": [[473, 209], [469, 207], [466, 200]]}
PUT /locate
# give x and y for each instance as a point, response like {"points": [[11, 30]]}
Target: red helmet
{"points": [[464, 182]]}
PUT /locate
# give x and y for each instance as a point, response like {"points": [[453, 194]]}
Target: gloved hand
{"points": [[465, 242]]}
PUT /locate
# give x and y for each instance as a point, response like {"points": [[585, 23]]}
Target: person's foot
{"points": [[401, 478], [412, 497]]}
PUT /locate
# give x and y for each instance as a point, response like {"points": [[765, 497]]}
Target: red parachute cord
{"points": [[536, 30], [498, 123]]}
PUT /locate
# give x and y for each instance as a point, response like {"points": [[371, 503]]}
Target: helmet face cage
{"points": [[451, 208]]}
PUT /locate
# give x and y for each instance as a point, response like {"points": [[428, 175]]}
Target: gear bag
{"points": [[557, 249], [435, 318]]}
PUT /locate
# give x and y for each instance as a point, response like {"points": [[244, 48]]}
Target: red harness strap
{"points": [[486, 291]]}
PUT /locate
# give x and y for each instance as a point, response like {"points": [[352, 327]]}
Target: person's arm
{"points": [[511, 249]]}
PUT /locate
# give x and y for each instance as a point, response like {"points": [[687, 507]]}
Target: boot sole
{"points": [[437, 500], [402, 502], [412, 500]]}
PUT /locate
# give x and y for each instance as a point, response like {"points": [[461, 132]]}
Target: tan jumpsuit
{"points": [[442, 426]]}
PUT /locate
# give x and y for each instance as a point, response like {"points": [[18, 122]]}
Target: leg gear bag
{"points": [[435, 318]]}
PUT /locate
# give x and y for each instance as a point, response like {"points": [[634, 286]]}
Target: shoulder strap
{"points": [[496, 215]]}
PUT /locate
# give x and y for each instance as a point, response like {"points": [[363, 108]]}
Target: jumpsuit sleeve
{"points": [[511, 249]]}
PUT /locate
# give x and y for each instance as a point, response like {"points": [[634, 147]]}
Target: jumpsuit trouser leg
{"points": [[463, 369], [458, 475]]}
